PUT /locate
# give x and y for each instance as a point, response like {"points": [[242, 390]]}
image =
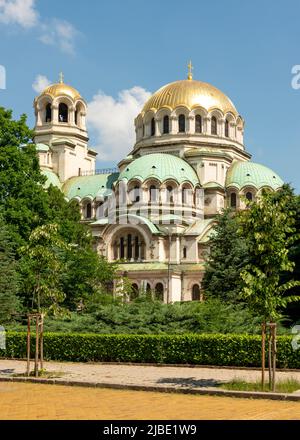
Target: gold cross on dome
{"points": [[190, 73], [61, 77]]}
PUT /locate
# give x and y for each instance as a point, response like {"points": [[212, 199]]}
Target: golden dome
{"points": [[190, 93], [61, 89]]}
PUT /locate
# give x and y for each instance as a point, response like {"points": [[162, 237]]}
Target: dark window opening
{"points": [[198, 124], [166, 125], [129, 246], [226, 128], [196, 293], [249, 196], [153, 193], [159, 292], [213, 125], [181, 124], [63, 113], [184, 252], [88, 210], [233, 200], [152, 127], [170, 197], [48, 113]]}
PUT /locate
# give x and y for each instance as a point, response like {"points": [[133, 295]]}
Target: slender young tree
{"points": [[268, 227]]}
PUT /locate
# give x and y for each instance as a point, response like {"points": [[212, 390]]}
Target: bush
{"points": [[204, 349]]}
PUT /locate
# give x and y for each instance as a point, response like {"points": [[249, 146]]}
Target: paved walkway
{"points": [[175, 377], [28, 401]]}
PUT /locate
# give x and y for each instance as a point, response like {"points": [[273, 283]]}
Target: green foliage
{"points": [[228, 256], [9, 279], [152, 317], [23, 201], [43, 262], [268, 228], [204, 349]]}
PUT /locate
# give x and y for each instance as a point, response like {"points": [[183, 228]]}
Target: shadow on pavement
{"points": [[190, 381]]}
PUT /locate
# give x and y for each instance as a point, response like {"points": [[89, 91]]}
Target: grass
{"points": [[42, 373], [282, 386]]}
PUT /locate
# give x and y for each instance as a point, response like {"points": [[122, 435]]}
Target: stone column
{"points": [[190, 124], [206, 125]]}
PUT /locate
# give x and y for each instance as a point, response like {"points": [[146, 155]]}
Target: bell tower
{"points": [[60, 130]]}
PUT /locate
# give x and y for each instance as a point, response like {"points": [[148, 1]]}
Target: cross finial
{"points": [[61, 77], [190, 73]]}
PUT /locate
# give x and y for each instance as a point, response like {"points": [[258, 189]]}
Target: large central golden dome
{"points": [[190, 93]]}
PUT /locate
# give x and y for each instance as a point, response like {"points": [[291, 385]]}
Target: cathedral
{"points": [[154, 214]]}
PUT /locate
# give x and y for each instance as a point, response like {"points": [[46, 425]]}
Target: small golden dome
{"points": [[190, 93], [62, 89]]}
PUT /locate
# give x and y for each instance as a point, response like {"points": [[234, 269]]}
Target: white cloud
{"points": [[54, 32], [60, 33], [112, 121], [40, 83], [21, 12]]}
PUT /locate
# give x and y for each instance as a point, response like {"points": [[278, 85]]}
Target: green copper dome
{"points": [[52, 178], [159, 166], [98, 185], [242, 174]]}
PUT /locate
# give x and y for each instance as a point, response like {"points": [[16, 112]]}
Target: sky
{"points": [[117, 52]]}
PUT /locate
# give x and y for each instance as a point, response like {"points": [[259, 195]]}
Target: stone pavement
{"points": [[27, 401], [139, 375]]}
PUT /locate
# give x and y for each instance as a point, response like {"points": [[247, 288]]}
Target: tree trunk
{"points": [[270, 356], [263, 356], [274, 352]]}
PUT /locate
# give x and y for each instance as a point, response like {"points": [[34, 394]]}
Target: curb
{"points": [[184, 390], [149, 364]]}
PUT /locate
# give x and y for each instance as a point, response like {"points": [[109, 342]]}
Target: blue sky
{"points": [[116, 52]]}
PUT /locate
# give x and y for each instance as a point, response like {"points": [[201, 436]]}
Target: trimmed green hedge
{"points": [[201, 349]]}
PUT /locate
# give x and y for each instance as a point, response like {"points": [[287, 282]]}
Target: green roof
{"points": [[159, 166], [52, 178], [42, 147], [242, 174], [98, 185]]}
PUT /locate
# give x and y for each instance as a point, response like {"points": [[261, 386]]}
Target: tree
{"points": [[228, 256], [9, 279], [43, 265], [23, 201], [268, 227]]}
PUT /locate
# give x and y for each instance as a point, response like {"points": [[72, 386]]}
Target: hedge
{"points": [[200, 349]]}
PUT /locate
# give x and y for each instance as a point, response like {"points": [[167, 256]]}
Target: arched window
{"points": [[143, 130], [76, 117], [181, 124], [63, 112], [159, 292], [185, 195], [129, 246], [233, 200], [184, 252], [153, 193], [213, 125], [136, 194], [152, 127], [88, 210], [166, 125], [196, 292], [148, 290], [48, 117], [226, 128], [249, 196], [198, 124], [170, 197], [134, 291]]}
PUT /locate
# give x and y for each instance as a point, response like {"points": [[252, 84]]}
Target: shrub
{"points": [[203, 349]]}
